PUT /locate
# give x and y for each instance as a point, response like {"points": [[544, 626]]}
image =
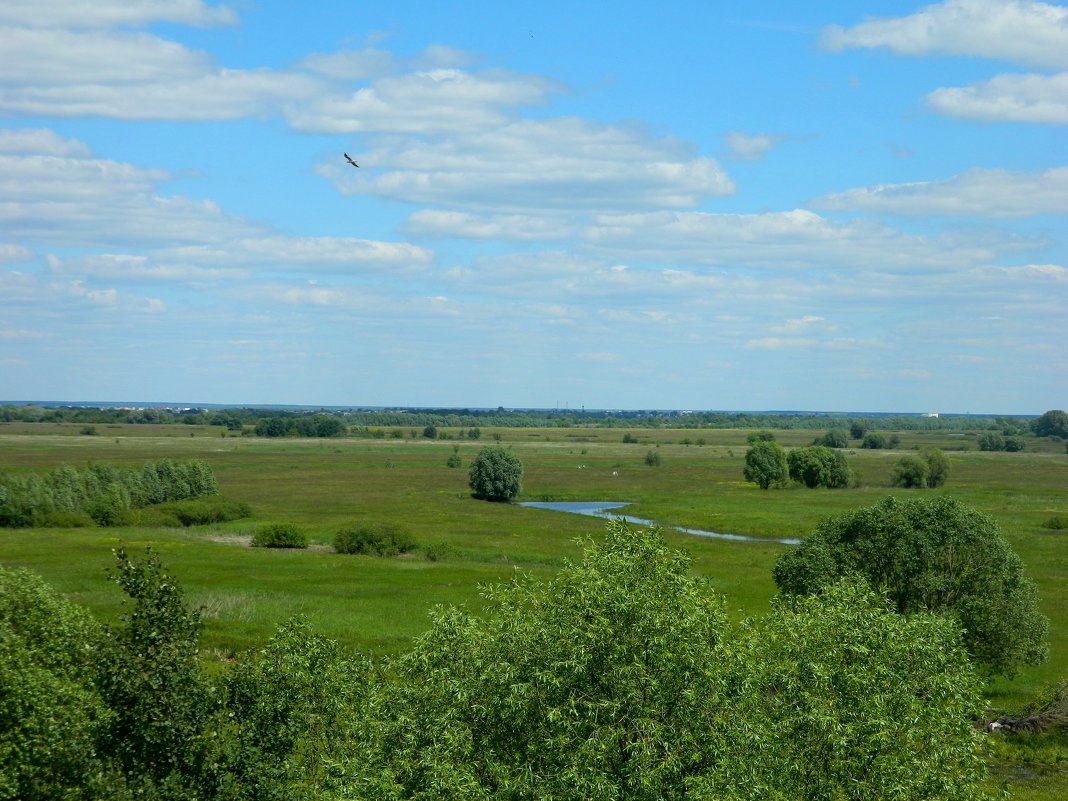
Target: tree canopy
{"points": [[620, 678], [496, 474], [765, 464], [930, 554], [819, 466]]}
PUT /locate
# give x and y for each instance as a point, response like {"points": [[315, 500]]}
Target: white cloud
{"points": [[12, 254], [109, 13], [508, 227], [558, 165], [40, 141], [993, 193], [304, 254], [430, 101], [1007, 98], [783, 241], [79, 199], [749, 147], [1017, 31]]}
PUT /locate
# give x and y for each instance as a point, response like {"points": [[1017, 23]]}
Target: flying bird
{"points": [[348, 158]]}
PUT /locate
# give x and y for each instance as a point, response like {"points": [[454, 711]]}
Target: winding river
{"points": [[605, 509]]}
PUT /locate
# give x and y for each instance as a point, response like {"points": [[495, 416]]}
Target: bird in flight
{"points": [[348, 158]]}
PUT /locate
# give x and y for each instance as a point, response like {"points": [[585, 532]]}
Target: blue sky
{"points": [[764, 205]]}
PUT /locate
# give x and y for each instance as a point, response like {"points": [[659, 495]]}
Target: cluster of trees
{"points": [[316, 425], [993, 441], [928, 469], [767, 464], [103, 493], [620, 677]]}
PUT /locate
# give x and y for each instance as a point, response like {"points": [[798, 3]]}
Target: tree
{"points": [[753, 437], [937, 466], [149, 675], [1053, 423], [910, 472], [991, 441], [496, 474], [930, 554], [834, 438], [842, 698], [818, 466], [765, 464], [874, 441], [857, 429], [620, 678], [51, 717]]}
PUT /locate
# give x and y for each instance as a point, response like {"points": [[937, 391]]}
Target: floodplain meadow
{"points": [[378, 605]]}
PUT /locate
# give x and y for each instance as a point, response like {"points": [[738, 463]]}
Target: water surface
{"points": [[605, 509]]}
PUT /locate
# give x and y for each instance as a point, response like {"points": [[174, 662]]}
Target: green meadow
{"points": [[378, 605]]}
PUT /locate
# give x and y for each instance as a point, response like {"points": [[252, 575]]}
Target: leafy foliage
{"points": [[496, 474], [148, 674], [835, 438], [619, 678], [107, 494], [378, 539], [765, 464], [819, 466], [1053, 423], [930, 554], [51, 716], [279, 535], [288, 709], [838, 697]]}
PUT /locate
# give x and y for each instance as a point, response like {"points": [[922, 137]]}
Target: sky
{"points": [[827, 206]]}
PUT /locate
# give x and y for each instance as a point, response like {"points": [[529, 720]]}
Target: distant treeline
{"points": [[104, 493], [335, 422]]}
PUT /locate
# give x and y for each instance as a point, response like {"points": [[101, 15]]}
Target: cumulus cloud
{"points": [[429, 101], [109, 13], [995, 193], [796, 240], [57, 191], [1018, 31], [1010, 98], [559, 165]]}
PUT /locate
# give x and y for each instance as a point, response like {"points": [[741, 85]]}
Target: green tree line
{"points": [[105, 493]]}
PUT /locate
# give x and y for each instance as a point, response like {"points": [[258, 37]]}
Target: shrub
{"points": [[375, 539], [753, 437], [63, 519], [874, 441], [203, 511], [652, 458], [991, 441], [280, 535], [1057, 523], [440, 552], [835, 438]]}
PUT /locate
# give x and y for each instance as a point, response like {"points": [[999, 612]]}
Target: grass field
{"points": [[378, 605]]}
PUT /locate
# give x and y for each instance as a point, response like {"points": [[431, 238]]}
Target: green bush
{"points": [[64, 519], [440, 552], [652, 458], [1057, 522], [280, 535], [203, 511], [376, 539]]}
